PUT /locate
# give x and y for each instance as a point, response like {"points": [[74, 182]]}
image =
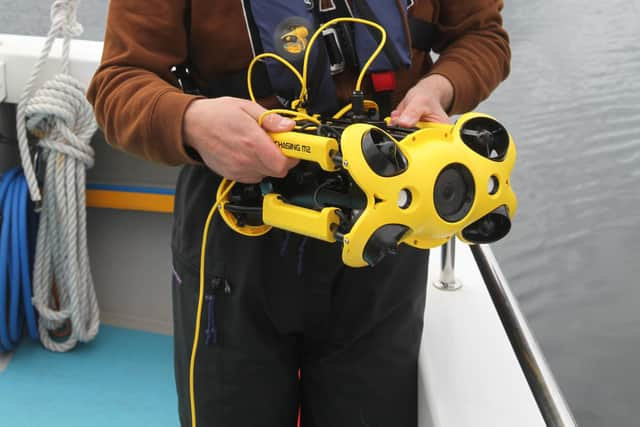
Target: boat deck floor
{"points": [[123, 378]]}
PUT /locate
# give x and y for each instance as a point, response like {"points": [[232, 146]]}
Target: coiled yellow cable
{"points": [[303, 89], [365, 67]]}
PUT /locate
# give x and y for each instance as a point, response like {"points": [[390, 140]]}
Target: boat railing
{"points": [[547, 393]]}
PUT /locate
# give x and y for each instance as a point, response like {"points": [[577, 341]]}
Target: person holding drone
{"points": [[281, 328]]}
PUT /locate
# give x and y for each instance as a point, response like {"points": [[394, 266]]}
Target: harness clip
{"points": [[337, 61]]}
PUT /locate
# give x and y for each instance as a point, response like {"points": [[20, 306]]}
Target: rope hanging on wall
{"points": [[59, 115]]}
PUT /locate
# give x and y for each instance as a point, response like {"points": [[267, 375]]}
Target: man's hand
{"points": [[427, 101], [226, 134]]}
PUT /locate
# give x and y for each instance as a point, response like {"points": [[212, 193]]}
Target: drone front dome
{"points": [[438, 181]]}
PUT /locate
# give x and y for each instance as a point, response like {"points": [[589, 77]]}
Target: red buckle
{"points": [[384, 81]]}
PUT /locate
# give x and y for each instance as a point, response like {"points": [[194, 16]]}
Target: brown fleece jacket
{"points": [[141, 111]]}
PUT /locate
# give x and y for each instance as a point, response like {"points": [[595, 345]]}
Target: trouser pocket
{"points": [[208, 371], [245, 371]]}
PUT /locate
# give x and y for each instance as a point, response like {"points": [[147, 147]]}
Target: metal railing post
{"points": [[447, 280]]}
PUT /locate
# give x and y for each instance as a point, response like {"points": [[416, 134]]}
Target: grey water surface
{"points": [[572, 103]]}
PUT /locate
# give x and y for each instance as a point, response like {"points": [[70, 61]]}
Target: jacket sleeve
{"points": [[474, 50], [135, 102]]}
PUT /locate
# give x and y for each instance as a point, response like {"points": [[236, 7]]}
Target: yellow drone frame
{"points": [[408, 203], [439, 168]]}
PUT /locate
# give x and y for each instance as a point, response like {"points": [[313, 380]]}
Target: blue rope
{"points": [[15, 261], [15, 320]]}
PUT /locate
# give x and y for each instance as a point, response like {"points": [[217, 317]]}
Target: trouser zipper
{"points": [[216, 288]]}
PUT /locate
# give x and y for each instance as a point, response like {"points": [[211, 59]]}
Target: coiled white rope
{"points": [[60, 115]]}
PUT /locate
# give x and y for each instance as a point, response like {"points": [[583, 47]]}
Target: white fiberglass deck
{"points": [[469, 374]]}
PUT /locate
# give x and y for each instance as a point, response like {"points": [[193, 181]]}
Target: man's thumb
{"points": [[409, 117], [277, 123]]}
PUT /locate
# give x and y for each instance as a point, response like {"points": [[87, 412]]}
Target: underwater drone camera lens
{"points": [[382, 153], [454, 192], [486, 137]]}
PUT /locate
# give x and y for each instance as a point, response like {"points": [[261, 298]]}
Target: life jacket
{"points": [[285, 27]]}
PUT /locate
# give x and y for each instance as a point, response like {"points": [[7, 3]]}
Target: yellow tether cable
{"points": [[305, 66], [194, 350], [228, 184], [367, 64], [284, 62], [295, 115]]}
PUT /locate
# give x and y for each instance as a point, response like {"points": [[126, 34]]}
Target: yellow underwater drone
{"points": [[372, 186]]}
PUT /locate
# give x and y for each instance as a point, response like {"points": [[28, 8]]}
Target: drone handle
{"points": [[308, 222], [304, 146]]}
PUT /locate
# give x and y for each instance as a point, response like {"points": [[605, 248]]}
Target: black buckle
{"points": [[186, 82], [337, 61]]}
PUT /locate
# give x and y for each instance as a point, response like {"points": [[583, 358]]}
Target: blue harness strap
{"points": [[393, 17]]}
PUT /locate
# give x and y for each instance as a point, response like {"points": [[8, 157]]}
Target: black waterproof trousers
{"points": [[285, 325]]}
